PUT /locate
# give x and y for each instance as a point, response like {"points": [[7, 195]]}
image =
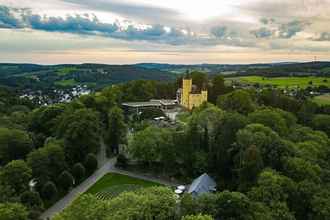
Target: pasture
{"points": [[284, 82], [322, 99]]}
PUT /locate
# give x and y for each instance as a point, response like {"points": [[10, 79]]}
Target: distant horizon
{"points": [[164, 63]]}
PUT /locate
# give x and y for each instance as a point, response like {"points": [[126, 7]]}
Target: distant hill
{"points": [[267, 69], [31, 76]]}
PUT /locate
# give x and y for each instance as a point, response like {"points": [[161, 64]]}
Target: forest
{"points": [[269, 154]]}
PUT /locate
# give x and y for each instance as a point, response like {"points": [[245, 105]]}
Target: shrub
{"points": [[31, 200], [66, 180], [91, 163], [49, 190], [78, 172], [121, 161]]}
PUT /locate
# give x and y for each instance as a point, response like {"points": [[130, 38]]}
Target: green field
{"points": [[68, 82], [65, 70], [112, 184], [322, 99], [284, 82]]}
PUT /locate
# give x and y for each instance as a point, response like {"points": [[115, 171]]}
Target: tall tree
{"points": [[81, 132], [17, 175], [218, 88], [117, 129], [14, 144]]}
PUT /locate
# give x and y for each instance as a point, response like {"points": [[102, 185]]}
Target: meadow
{"points": [[283, 82], [322, 99]]}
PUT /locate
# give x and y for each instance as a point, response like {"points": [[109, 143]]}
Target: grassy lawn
{"points": [[283, 82], [68, 82], [112, 184], [322, 99]]}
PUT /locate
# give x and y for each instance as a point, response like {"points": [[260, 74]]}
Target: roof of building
{"points": [[151, 103], [142, 104], [202, 184]]}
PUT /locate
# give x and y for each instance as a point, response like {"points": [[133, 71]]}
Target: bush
{"points": [[121, 161], [91, 163], [31, 200], [79, 172], [49, 190], [66, 180]]}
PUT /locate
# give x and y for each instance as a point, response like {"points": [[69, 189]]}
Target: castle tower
{"points": [[186, 90]]}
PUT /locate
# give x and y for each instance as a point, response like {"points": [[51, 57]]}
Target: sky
{"points": [[164, 31]]}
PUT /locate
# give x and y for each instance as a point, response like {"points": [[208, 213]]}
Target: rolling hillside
{"points": [[31, 76]]}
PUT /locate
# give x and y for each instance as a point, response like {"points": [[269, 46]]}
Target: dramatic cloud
{"points": [[141, 13], [325, 36], [262, 32], [151, 27], [7, 18], [278, 30], [292, 28]]}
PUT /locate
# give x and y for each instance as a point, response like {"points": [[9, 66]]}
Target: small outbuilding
{"points": [[203, 184]]}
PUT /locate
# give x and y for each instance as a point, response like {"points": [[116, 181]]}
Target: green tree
{"points": [[273, 149], [49, 190], [65, 180], [78, 172], [223, 138], [234, 205], [149, 203], [117, 129], [274, 190], [86, 207], [240, 101], [299, 169], [44, 119], [14, 144], [250, 167], [31, 200], [47, 162], [270, 118], [218, 88], [322, 123], [13, 211], [91, 163], [81, 132], [17, 175], [306, 112], [320, 204]]}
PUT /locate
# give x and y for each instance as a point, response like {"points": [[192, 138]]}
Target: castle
{"points": [[189, 97]]}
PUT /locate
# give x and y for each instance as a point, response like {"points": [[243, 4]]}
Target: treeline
{"points": [[267, 162], [55, 146], [268, 150]]}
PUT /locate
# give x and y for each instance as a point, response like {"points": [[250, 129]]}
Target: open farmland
{"points": [[322, 99], [284, 82]]}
